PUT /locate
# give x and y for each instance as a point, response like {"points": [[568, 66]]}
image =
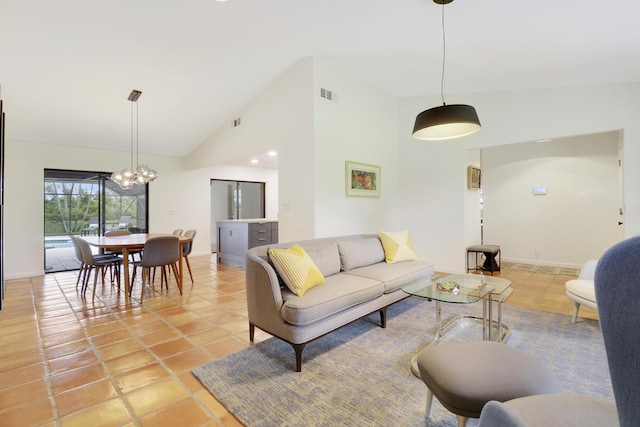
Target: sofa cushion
{"points": [[397, 246], [296, 268], [326, 258], [396, 275], [340, 292], [356, 253]]}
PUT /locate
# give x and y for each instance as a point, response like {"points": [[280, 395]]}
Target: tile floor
{"points": [[66, 360]]}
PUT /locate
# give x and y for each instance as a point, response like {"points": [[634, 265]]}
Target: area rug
{"points": [[360, 375]]}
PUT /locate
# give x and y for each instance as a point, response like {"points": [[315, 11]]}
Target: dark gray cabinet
{"points": [[236, 237]]}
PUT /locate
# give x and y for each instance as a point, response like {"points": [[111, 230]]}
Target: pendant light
{"points": [[445, 121], [142, 174]]}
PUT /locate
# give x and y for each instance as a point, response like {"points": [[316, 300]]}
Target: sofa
{"points": [[359, 277]]}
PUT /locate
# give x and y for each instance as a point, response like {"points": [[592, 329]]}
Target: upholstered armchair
{"points": [[581, 290], [617, 290]]}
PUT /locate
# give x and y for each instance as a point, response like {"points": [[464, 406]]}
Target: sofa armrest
{"points": [[264, 297]]}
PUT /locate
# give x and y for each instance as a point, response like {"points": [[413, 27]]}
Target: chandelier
{"points": [[142, 174], [445, 121]]}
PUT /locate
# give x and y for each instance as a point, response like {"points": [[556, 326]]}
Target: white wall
{"points": [[359, 125], [423, 183], [281, 119], [433, 201], [24, 196], [178, 199], [575, 221]]}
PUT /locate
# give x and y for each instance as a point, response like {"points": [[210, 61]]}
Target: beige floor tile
{"points": [[85, 396], [108, 413], [155, 396], [99, 348]]}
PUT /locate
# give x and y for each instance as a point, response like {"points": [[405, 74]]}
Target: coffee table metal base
{"points": [[488, 325]]}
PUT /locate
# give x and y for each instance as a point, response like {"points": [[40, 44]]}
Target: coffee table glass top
{"points": [[426, 288], [498, 284]]}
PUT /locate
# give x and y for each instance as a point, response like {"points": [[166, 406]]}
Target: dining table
{"points": [[129, 242]]}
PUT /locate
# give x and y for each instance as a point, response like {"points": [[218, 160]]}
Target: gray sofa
{"points": [[358, 282]]}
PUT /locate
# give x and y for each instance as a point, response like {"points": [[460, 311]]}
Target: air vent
{"points": [[236, 122], [326, 94]]}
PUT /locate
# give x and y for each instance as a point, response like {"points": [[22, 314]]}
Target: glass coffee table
{"points": [[470, 288]]}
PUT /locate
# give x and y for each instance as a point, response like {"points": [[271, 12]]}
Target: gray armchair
{"points": [[617, 287], [618, 295]]}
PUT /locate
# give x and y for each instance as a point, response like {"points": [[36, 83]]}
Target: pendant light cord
{"points": [[131, 135], [444, 55], [137, 137]]}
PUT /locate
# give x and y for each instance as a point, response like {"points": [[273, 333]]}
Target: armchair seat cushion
{"points": [[583, 289]]}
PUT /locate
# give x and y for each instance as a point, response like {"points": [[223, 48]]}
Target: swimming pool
{"points": [[58, 243]]}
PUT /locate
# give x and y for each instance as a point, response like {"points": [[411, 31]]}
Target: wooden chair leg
{"points": [[176, 274], [189, 268]]}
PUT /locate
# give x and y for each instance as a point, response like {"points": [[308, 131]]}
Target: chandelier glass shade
{"points": [[445, 121], [141, 174]]}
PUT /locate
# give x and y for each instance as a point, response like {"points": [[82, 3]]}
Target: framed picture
{"points": [[362, 180], [474, 178]]}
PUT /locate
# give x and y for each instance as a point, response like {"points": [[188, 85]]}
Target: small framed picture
{"points": [[474, 178], [362, 180]]}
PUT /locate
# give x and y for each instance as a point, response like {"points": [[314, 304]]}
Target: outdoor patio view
{"points": [[86, 203]]}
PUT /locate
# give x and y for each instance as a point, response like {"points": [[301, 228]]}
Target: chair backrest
{"points": [[78, 250], [85, 249], [186, 246], [177, 232], [617, 284], [93, 222], [162, 250], [588, 270], [112, 233]]}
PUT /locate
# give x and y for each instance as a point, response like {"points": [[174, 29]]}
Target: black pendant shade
{"points": [[445, 122]]}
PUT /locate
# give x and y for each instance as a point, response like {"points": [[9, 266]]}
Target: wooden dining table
{"points": [[126, 243]]}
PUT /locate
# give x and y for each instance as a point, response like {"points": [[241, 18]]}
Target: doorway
{"points": [[556, 202], [235, 200], [86, 203]]}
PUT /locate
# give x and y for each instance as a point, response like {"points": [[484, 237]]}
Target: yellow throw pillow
{"points": [[397, 246], [297, 269]]}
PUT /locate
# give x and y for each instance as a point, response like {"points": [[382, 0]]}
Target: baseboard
{"points": [[541, 263]]}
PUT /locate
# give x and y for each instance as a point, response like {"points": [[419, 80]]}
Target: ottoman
{"points": [[490, 252], [464, 376]]}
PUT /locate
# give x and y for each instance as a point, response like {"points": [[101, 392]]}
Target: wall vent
{"points": [[236, 122], [326, 94]]}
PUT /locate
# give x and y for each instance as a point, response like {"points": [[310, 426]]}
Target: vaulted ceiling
{"points": [[67, 66]]}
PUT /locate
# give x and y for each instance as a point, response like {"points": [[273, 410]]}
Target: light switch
{"points": [[539, 191]]}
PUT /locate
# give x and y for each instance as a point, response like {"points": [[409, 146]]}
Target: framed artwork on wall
{"points": [[474, 178], [362, 180]]}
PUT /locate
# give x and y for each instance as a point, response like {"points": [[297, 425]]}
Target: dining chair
{"points": [[161, 251], [83, 267], [186, 249], [97, 262], [78, 252], [177, 232]]}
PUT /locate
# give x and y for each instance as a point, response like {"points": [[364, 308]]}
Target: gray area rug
{"points": [[360, 376]]}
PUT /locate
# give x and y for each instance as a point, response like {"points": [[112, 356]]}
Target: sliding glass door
{"points": [[86, 203]]}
